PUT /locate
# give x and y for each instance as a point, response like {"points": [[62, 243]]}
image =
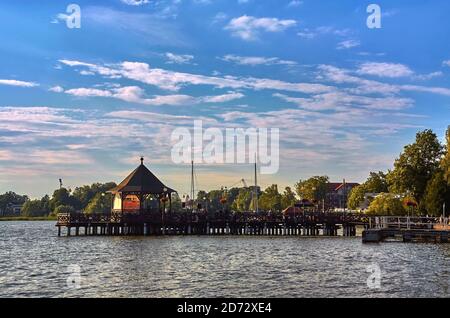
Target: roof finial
{"points": [[142, 160]]}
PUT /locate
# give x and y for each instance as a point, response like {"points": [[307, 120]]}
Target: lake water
{"points": [[34, 262]]}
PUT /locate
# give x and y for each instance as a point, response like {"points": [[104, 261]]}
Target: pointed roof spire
{"points": [[142, 180]]}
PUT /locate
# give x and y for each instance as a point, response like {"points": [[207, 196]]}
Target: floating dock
{"points": [[408, 230]]}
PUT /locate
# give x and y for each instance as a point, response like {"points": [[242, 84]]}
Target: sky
{"points": [[83, 104]]}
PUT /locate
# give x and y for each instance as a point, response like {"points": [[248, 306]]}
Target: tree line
{"points": [[419, 183]]}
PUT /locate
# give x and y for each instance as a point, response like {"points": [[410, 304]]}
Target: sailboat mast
{"points": [[256, 187], [192, 185]]}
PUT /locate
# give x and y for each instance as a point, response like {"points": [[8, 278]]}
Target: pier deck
{"points": [[376, 229]]}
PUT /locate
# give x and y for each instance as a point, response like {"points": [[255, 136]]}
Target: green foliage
{"points": [[243, 201], [63, 197], [288, 198], [270, 199], [436, 194], [11, 198], [387, 204], [357, 196], [64, 209], [101, 203], [416, 165], [37, 208], [446, 160], [376, 183], [83, 195], [314, 188]]}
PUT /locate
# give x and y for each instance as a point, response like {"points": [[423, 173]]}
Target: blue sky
{"points": [[84, 104]]}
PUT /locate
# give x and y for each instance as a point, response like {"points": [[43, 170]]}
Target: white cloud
{"points": [[88, 92], [348, 44], [364, 86], [446, 63], [56, 89], [223, 98], [294, 3], [174, 81], [390, 70], [135, 2], [256, 60], [178, 59], [134, 94], [248, 27], [324, 30], [342, 101], [17, 83]]}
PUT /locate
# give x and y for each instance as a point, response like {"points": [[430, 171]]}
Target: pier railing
{"points": [[64, 219], [410, 223]]}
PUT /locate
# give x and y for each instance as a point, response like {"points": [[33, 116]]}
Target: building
{"points": [[137, 193], [337, 194], [12, 210]]}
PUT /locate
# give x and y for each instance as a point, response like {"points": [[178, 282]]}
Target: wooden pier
{"points": [[118, 224], [132, 214]]}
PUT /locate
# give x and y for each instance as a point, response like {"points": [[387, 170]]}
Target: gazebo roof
{"points": [[142, 180]]}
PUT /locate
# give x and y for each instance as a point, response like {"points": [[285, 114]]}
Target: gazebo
{"points": [[130, 196]]}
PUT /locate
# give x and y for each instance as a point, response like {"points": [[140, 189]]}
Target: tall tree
{"points": [[86, 193], [357, 196], [101, 203], [376, 183], [288, 198], [387, 204], [436, 194], [243, 200], [64, 197], [446, 160], [416, 165], [270, 199], [314, 188], [10, 198], [33, 208]]}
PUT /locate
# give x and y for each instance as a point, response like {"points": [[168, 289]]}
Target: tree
{"points": [[270, 199], [387, 204], [63, 209], [376, 183], [11, 198], [288, 198], [34, 208], [436, 194], [101, 203], [83, 195], [177, 205], [446, 160], [243, 200], [357, 196], [416, 165], [62, 197], [314, 188]]}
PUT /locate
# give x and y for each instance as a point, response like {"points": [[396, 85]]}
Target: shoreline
{"points": [[26, 218]]}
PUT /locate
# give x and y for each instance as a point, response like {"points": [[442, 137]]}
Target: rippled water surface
{"points": [[34, 263]]}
